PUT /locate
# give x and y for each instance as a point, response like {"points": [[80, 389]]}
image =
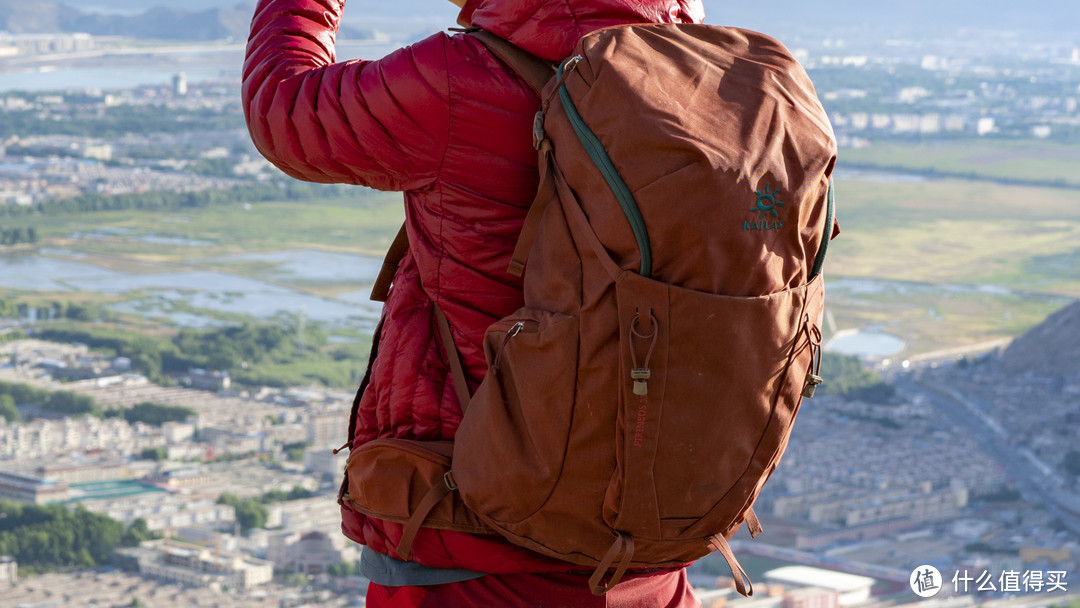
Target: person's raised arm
{"points": [[380, 123]]}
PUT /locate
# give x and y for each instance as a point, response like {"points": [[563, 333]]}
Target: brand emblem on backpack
{"points": [[767, 204]]}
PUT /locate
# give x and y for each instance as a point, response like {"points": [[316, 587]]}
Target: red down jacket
{"points": [[447, 123]]}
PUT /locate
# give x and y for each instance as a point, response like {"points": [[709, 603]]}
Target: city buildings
{"points": [[197, 566], [9, 570]]}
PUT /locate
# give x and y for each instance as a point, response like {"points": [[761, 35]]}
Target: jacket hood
{"points": [[551, 28]]}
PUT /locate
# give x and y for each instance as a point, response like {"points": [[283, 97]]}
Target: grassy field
{"points": [[932, 317], [206, 237], [1022, 240], [1039, 161], [959, 232], [954, 232], [363, 226]]}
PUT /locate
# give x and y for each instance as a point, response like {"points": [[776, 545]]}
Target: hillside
{"points": [[1051, 349], [214, 19], [155, 23]]}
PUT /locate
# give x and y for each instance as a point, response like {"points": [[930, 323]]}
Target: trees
{"points": [[159, 199], [296, 493], [54, 536], [154, 454], [156, 414], [15, 236], [250, 513], [7, 408], [845, 375], [64, 402], [136, 533]]}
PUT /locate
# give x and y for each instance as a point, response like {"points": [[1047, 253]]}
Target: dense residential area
{"points": [[186, 137]]}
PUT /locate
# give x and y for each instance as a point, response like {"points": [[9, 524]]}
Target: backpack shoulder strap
{"points": [[390, 265], [533, 69]]}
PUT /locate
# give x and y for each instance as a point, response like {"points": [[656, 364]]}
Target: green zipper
{"points": [[611, 176], [830, 214]]}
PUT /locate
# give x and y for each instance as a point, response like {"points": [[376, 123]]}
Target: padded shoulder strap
{"points": [[533, 69]]}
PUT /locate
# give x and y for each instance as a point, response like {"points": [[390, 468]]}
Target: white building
{"points": [[163, 510], [852, 589], [193, 565], [9, 570], [324, 460], [311, 552], [30, 489]]}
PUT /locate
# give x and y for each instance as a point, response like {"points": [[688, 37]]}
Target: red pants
{"points": [[665, 589]]}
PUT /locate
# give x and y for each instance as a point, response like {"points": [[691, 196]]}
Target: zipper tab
{"points": [[640, 376], [812, 382], [560, 77], [514, 330]]}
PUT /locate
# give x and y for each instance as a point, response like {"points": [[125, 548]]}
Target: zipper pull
{"points": [[564, 70], [640, 376], [812, 382], [514, 330]]}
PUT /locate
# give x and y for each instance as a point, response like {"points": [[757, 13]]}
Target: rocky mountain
{"points": [[1051, 349], [156, 22]]}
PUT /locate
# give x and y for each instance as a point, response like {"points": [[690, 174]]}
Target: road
{"points": [[1036, 481]]}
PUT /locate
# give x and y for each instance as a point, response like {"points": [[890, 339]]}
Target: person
{"points": [[450, 125]]}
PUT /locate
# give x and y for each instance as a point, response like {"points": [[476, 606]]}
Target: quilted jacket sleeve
{"points": [[380, 123]]}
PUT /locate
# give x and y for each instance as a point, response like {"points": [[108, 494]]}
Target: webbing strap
{"points": [[623, 545], [531, 68], [394, 255], [742, 581], [432, 498], [536, 211], [753, 525], [457, 372]]}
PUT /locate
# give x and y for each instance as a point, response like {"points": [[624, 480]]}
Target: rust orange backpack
{"points": [[637, 403]]}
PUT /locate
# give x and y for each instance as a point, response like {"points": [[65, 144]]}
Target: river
{"points": [[156, 294], [212, 62]]}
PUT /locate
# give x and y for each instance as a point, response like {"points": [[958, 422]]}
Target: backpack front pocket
{"points": [[511, 445]]}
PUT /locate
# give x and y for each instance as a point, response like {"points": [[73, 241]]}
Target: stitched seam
{"points": [[573, 17], [436, 298]]}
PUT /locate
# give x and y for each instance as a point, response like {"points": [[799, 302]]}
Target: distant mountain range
{"points": [[156, 22], [907, 16], [220, 19]]}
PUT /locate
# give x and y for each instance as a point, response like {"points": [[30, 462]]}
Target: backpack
{"points": [[636, 404]]}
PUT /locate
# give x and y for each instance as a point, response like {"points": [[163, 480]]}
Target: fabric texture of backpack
{"points": [[637, 403]]}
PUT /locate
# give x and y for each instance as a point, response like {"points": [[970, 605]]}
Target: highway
{"points": [[1036, 481]]}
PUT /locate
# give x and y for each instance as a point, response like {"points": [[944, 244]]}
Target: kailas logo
{"points": [[767, 204]]}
